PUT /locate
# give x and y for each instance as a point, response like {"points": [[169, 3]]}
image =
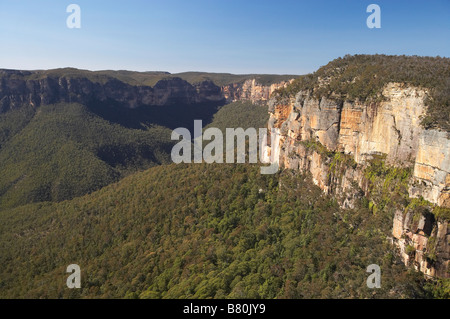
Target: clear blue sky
{"points": [[245, 36]]}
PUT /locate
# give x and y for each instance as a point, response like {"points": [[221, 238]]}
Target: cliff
{"points": [[251, 90], [71, 85], [337, 139], [20, 87]]}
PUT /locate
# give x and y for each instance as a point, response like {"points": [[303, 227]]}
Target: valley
{"points": [[87, 178]]}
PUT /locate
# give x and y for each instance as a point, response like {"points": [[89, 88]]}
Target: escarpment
{"points": [[338, 140], [37, 88], [18, 88]]}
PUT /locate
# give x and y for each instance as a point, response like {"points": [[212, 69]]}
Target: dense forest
{"points": [[363, 77], [61, 151], [240, 114], [202, 231]]}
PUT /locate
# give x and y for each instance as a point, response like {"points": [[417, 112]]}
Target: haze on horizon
{"points": [[240, 37]]}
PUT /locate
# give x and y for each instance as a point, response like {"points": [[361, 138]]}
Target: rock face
{"points": [[311, 127], [391, 127], [432, 168], [423, 242], [17, 89], [250, 90]]}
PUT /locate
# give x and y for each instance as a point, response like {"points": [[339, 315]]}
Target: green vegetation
{"points": [[442, 213], [418, 204], [410, 250], [441, 289], [58, 152], [318, 147], [363, 77], [431, 249], [13, 122], [340, 163], [240, 114], [200, 231]]}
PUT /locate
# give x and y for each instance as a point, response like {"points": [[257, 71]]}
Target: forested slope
{"points": [[201, 231], [58, 152]]}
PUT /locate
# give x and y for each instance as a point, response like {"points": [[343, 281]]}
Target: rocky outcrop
{"points": [[423, 242], [354, 133], [250, 90], [432, 168]]}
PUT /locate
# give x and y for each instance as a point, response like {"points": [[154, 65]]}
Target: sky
{"points": [[232, 36]]}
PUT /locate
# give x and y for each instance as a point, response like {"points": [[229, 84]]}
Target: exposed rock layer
{"points": [[19, 88], [310, 127], [423, 242], [250, 90], [391, 127]]}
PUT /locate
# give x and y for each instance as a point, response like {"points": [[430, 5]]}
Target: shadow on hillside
{"points": [[170, 116]]}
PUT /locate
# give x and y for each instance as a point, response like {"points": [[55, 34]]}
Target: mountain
{"points": [[43, 88]]}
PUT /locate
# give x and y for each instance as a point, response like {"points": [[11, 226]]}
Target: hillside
{"points": [[63, 151], [234, 233], [240, 114]]}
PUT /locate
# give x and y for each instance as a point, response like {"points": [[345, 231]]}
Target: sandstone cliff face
{"points": [[250, 90], [423, 242], [17, 90], [310, 127], [391, 127], [432, 168]]}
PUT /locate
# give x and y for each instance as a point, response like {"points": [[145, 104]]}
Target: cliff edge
{"points": [[355, 147]]}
